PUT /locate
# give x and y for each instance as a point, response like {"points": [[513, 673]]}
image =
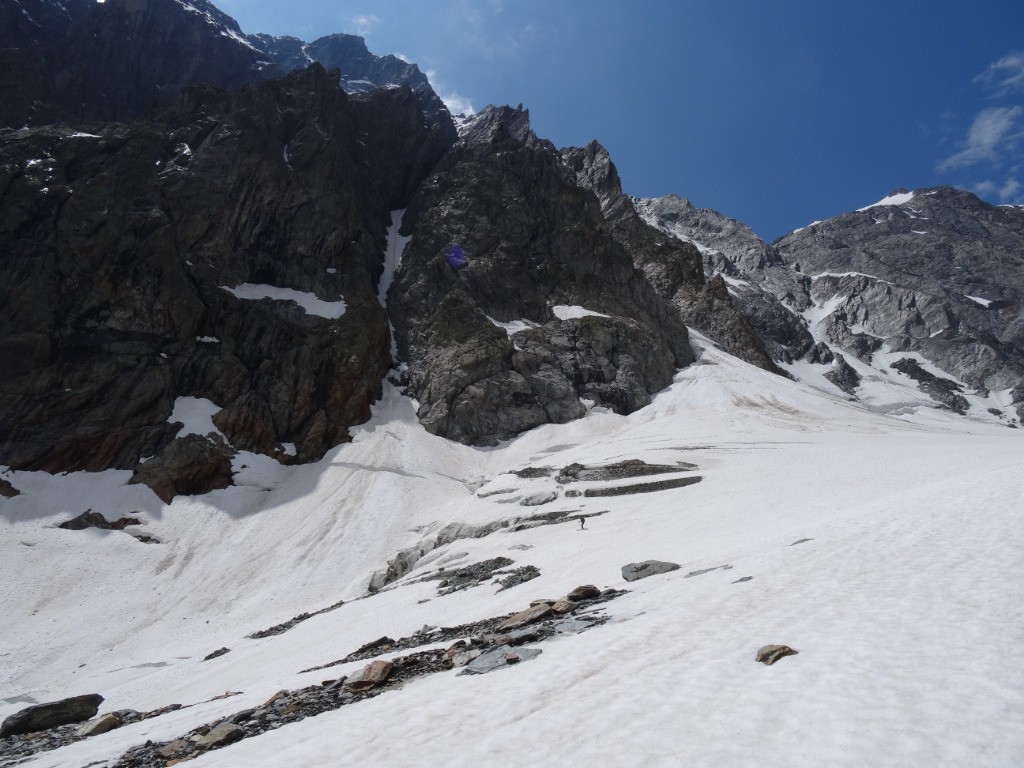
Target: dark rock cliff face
{"points": [[117, 59], [34, 23], [536, 242], [672, 265], [119, 248]]}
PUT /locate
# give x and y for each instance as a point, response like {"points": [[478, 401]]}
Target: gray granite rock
{"points": [[98, 725], [637, 571], [219, 735], [498, 658]]}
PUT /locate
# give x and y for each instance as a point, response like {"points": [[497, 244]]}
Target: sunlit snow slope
{"points": [[904, 595]]}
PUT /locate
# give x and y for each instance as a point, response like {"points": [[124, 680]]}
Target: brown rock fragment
{"points": [[584, 592], [373, 674], [769, 654], [523, 618]]}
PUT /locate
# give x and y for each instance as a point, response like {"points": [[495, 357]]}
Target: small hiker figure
{"points": [[582, 519]]}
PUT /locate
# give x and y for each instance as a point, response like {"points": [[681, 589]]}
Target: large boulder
{"points": [[187, 466], [42, 716], [637, 571]]}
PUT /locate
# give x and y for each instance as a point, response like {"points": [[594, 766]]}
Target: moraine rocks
{"points": [[487, 648]]}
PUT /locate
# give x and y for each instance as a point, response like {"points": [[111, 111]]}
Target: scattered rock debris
{"points": [[659, 485], [519, 576], [485, 650], [480, 632], [7, 490], [278, 629], [215, 654], [532, 473], [769, 654], [467, 576], [619, 471], [15, 749], [539, 499], [800, 541], [743, 579]]}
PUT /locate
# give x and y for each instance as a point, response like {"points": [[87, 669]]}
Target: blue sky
{"points": [[775, 113]]}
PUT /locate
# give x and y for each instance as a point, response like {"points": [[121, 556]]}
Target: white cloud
{"points": [[1005, 75], [995, 132], [1006, 191], [363, 23], [1010, 191], [984, 188], [456, 104]]}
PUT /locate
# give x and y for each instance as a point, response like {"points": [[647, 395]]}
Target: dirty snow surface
{"points": [[889, 554]]}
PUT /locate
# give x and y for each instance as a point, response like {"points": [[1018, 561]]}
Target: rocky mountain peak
{"points": [[595, 171], [113, 62], [494, 124], [361, 71], [723, 241]]}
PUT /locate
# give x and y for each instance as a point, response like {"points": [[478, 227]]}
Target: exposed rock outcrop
{"points": [[90, 519], [672, 264], [589, 325], [843, 375], [942, 390], [745, 304]]}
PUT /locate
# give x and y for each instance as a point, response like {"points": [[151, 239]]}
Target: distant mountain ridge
{"points": [[81, 60], [936, 273]]}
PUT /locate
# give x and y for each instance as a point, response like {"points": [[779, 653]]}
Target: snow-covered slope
{"points": [[888, 554]]}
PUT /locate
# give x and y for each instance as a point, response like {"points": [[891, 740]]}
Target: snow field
{"points": [[905, 604]]}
